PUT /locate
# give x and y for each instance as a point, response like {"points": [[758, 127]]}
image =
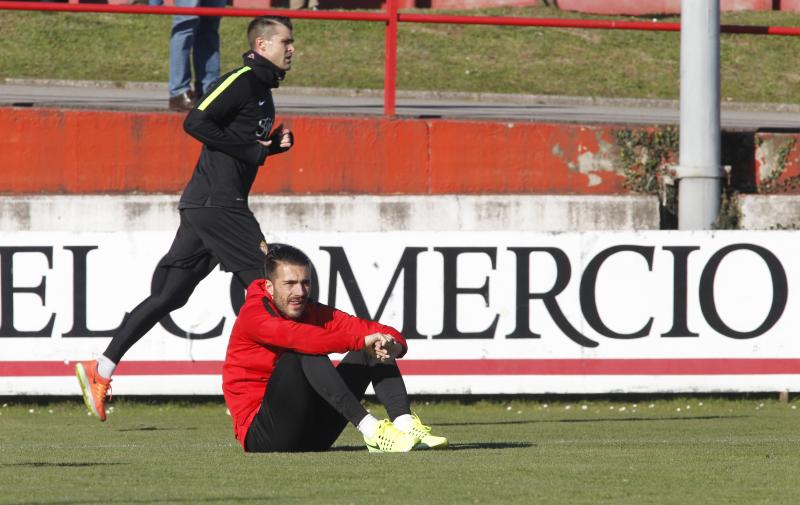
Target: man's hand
{"points": [[391, 346], [382, 346], [373, 345], [280, 140]]}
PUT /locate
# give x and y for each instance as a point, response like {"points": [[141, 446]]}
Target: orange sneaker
{"points": [[94, 388]]}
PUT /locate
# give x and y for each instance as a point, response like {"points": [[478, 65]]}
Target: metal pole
{"points": [[699, 171], [390, 70]]}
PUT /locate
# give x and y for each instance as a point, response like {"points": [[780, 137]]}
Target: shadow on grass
{"points": [[48, 464], [111, 499], [595, 420], [491, 445], [156, 428], [347, 448], [453, 447]]}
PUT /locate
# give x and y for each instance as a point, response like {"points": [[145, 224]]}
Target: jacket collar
{"points": [[265, 70]]}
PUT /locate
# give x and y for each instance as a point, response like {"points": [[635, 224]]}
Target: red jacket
{"points": [[261, 333]]}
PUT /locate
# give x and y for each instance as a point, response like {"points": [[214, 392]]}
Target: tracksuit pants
{"points": [[309, 401], [206, 237]]}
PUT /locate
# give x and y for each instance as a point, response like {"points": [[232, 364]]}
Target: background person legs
{"points": [[205, 51], [194, 41], [181, 41], [304, 4]]}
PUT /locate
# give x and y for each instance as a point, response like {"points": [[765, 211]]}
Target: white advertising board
{"points": [[484, 312]]}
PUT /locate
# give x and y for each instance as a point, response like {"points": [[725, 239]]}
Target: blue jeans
{"points": [[197, 38]]}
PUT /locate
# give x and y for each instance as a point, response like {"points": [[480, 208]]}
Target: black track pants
{"points": [[170, 290], [309, 401], [194, 253]]}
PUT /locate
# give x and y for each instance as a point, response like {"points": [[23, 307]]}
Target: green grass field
{"points": [[657, 451], [546, 61]]}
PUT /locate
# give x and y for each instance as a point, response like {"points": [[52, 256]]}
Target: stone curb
{"points": [[522, 99]]}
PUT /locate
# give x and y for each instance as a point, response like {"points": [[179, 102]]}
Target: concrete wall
{"points": [[769, 212], [574, 170], [49, 151], [364, 213]]}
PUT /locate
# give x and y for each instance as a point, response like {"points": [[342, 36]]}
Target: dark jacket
{"points": [[237, 111]]}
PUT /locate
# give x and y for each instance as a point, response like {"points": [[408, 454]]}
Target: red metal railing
{"points": [[391, 17]]}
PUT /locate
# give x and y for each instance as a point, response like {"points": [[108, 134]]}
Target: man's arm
{"points": [[219, 107], [341, 321], [300, 337]]}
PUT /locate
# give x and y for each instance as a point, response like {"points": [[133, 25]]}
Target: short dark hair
{"points": [[282, 253], [264, 27]]}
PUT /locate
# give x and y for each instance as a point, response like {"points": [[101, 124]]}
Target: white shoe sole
{"points": [[422, 446], [86, 389]]}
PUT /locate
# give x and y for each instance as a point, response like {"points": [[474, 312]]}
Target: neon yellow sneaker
{"points": [[426, 439], [389, 439], [94, 388]]}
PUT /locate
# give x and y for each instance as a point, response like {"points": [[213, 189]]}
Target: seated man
{"points": [[283, 391]]}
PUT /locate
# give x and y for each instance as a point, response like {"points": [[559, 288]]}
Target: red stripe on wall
{"points": [[602, 367], [458, 367], [61, 368]]}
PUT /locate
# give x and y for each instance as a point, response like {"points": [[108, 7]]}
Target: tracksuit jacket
{"points": [[261, 334], [235, 113]]}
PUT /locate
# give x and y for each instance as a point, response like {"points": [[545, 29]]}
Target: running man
{"points": [[233, 122], [283, 391]]}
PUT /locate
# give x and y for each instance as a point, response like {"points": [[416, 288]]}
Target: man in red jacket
{"points": [[283, 391]]}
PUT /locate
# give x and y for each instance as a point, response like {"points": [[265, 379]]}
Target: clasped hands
{"points": [[382, 346]]}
